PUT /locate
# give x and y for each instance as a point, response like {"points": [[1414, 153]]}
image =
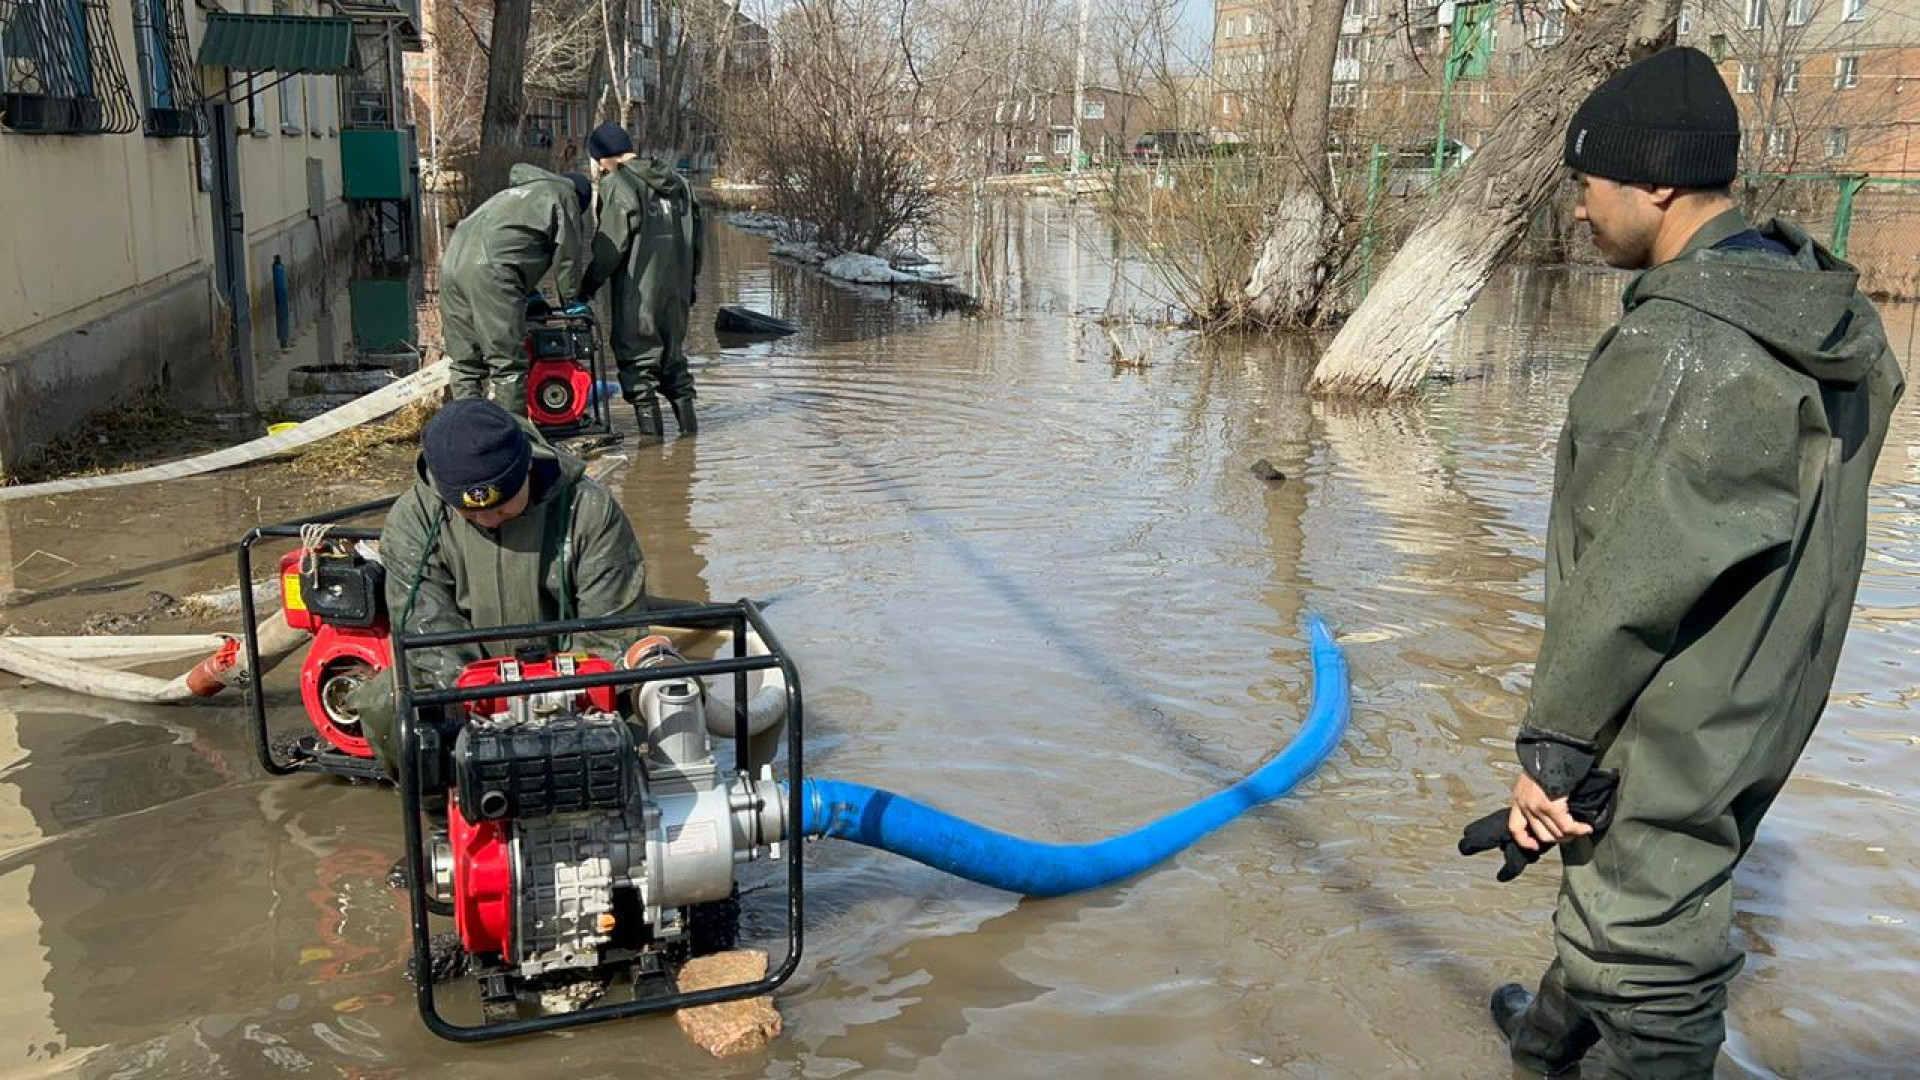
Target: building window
{"points": [[1756, 14], [1095, 109], [1777, 141], [60, 70], [1854, 10], [1247, 27], [1063, 140], [1836, 142], [1717, 48], [545, 123], [1226, 30], [1346, 95], [1551, 26], [1686, 21], [1348, 48], [291, 107], [1373, 10], [1789, 76], [1797, 12], [1846, 73], [1749, 77], [168, 87]]}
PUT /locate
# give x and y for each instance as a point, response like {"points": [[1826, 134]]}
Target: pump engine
{"points": [[564, 369], [580, 842], [336, 590]]}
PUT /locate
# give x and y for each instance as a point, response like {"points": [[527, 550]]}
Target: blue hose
{"points": [[894, 823]]}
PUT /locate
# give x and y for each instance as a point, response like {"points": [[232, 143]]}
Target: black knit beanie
{"points": [[609, 140], [477, 454], [1666, 120]]}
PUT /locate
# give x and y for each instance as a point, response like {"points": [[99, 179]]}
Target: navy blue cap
{"points": [[582, 187], [477, 454], [609, 140]]}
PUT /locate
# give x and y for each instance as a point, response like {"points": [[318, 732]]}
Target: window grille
{"points": [[60, 73], [169, 88]]}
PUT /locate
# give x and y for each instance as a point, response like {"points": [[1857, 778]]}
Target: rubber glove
{"points": [[1591, 804]]}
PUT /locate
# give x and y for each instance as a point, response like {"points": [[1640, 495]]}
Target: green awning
{"points": [[290, 44]]}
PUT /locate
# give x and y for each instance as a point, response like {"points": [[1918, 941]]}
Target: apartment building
{"points": [[161, 158]]}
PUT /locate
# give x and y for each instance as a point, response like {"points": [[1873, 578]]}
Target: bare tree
{"points": [[833, 136], [1294, 266], [506, 99], [1407, 322]]}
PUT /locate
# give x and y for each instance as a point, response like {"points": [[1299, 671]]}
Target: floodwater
{"points": [[1041, 592]]}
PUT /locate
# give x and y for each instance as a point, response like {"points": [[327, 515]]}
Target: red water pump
{"points": [[495, 781], [338, 594], [563, 352]]}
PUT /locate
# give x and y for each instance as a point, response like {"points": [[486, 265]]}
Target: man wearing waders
{"points": [[496, 259], [1704, 543], [499, 529], [647, 247]]}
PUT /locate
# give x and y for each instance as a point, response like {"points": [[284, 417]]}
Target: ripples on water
{"points": [[1047, 595]]}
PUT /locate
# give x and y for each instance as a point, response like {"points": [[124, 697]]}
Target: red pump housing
{"points": [[483, 903], [339, 659], [558, 392]]}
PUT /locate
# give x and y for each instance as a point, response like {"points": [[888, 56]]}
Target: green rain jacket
{"points": [[650, 227], [512, 239], [572, 554], [1709, 515]]}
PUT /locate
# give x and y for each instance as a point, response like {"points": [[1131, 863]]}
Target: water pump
{"points": [[579, 842], [571, 814]]}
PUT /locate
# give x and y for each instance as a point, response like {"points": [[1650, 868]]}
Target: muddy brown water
{"points": [[1044, 594]]}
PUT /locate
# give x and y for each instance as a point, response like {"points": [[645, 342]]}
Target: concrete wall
{"points": [[110, 285]]}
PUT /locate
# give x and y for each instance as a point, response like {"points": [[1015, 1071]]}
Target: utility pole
{"points": [[1079, 84]]}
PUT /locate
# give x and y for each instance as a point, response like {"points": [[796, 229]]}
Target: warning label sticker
{"points": [[692, 838]]}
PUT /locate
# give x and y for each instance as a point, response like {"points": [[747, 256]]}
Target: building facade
{"points": [[163, 191]]}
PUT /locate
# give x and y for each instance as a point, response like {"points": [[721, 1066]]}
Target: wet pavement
{"points": [[1041, 592]]}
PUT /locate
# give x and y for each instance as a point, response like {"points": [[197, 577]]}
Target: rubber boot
{"points": [[647, 413], [683, 415], [1509, 1004], [1539, 1048]]}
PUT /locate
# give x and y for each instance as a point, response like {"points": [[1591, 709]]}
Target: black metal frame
{"points": [[336, 764], [598, 419], [57, 81], [739, 616], [167, 45]]}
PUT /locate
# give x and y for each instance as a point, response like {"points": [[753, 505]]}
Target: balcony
{"points": [[404, 13]]}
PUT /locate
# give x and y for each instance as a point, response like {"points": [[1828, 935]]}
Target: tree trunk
{"points": [[506, 74], [1407, 322], [1287, 279]]}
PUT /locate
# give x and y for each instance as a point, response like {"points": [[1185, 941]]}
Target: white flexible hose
{"points": [[277, 639], [421, 384], [123, 650], [766, 693]]}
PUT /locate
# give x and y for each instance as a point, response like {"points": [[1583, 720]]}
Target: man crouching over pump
{"points": [[499, 531]]}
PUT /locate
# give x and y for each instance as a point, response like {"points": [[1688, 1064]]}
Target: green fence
{"points": [[1871, 221]]}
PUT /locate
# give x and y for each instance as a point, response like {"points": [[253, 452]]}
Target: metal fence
{"points": [[1872, 222]]}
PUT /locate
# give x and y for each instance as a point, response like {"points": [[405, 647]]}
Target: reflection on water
{"points": [[1043, 593]]}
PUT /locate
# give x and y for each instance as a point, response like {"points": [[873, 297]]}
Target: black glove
{"points": [[1590, 804]]}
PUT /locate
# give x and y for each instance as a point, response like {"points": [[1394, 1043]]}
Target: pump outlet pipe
{"points": [[894, 823]]}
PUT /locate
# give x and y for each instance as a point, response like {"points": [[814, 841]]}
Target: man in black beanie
{"points": [[1704, 543], [647, 247], [496, 259], [499, 529]]}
